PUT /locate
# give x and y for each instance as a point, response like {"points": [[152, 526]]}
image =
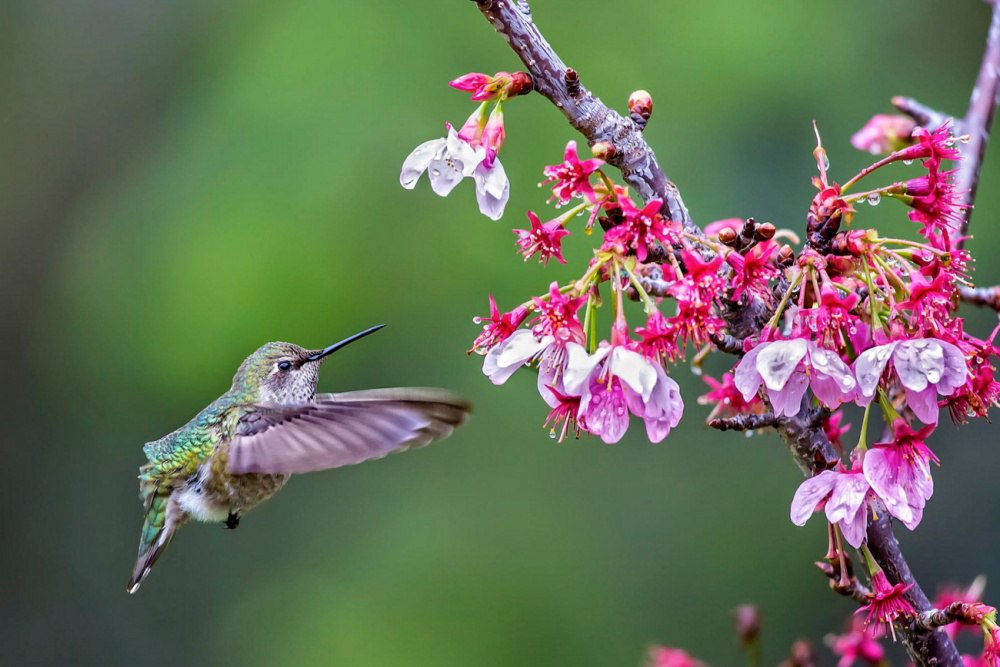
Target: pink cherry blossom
{"points": [[572, 177], [498, 328], [925, 367], [639, 229], [858, 643], [615, 382], [787, 367], [886, 604], [543, 239], [899, 472], [843, 494]]}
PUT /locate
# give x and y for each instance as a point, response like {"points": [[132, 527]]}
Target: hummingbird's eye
{"points": [[284, 365]]}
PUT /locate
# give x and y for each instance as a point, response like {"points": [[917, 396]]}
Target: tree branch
{"points": [[585, 112], [803, 433], [979, 117], [988, 297]]}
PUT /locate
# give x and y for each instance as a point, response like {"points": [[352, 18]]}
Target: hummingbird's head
{"points": [[287, 373]]}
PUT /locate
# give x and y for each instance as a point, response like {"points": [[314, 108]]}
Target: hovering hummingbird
{"points": [[243, 447]]}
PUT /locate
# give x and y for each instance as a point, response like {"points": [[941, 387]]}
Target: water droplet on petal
{"points": [[874, 199], [826, 161]]}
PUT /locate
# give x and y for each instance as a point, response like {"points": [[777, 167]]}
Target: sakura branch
{"points": [[852, 317]]}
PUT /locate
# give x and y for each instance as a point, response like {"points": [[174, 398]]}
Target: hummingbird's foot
{"points": [[232, 521]]}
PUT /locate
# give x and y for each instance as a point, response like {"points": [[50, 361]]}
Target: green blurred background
{"points": [[183, 181]]}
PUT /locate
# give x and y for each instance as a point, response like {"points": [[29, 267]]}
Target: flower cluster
{"points": [[851, 317], [471, 152]]}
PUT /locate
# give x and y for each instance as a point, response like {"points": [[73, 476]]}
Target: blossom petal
{"points": [[580, 365], [868, 370], [503, 359], [492, 189], [810, 494], [848, 497], [418, 160], [918, 362], [746, 379], [788, 400], [923, 403], [634, 370], [778, 360], [832, 380], [956, 369]]}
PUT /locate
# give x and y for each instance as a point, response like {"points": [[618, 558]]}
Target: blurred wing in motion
{"points": [[342, 429]]}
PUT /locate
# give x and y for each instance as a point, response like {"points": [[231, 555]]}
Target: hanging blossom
{"points": [[885, 604], [472, 151], [457, 156], [899, 472], [787, 367], [543, 239], [571, 178], [615, 381], [499, 326], [842, 494], [924, 367]]}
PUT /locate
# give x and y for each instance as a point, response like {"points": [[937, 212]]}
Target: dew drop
{"points": [[907, 162], [826, 161], [435, 172], [552, 434], [874, 199], [696, 370], [748, 433]]}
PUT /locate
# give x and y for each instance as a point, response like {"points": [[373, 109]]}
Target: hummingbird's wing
{"points": [[342, 429]]}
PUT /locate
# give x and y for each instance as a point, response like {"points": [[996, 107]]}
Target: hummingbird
{"points": [[243, 447]]}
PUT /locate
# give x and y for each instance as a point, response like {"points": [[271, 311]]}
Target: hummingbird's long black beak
{"points": [[336, 346]]}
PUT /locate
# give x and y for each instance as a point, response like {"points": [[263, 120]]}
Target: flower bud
{"points": [[520, 84], [603, 150], [765, 231], [727, 236], [747, 618], [786, 256], [641, 103]]}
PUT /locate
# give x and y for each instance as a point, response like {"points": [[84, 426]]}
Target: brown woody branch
{"points": [[585, 112], [988, 297], [803, 433]]}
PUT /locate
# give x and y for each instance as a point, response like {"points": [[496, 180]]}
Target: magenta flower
{"points": [[753, 271], [544, 239], [726, 400], [886, 604], [925, 367], [899, 472], [858, 643], [658, 338], [640, 228], [884, 133], [572, 177], [565, 409], [557, 316], [787, 367], [498, 328], [937, 145], [843, 494]]}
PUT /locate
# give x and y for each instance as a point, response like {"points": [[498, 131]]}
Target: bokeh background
{"points": [[181, 182]]}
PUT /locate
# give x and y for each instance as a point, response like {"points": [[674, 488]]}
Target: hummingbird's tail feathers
{"points": [[342, 429], [163, 518]]}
